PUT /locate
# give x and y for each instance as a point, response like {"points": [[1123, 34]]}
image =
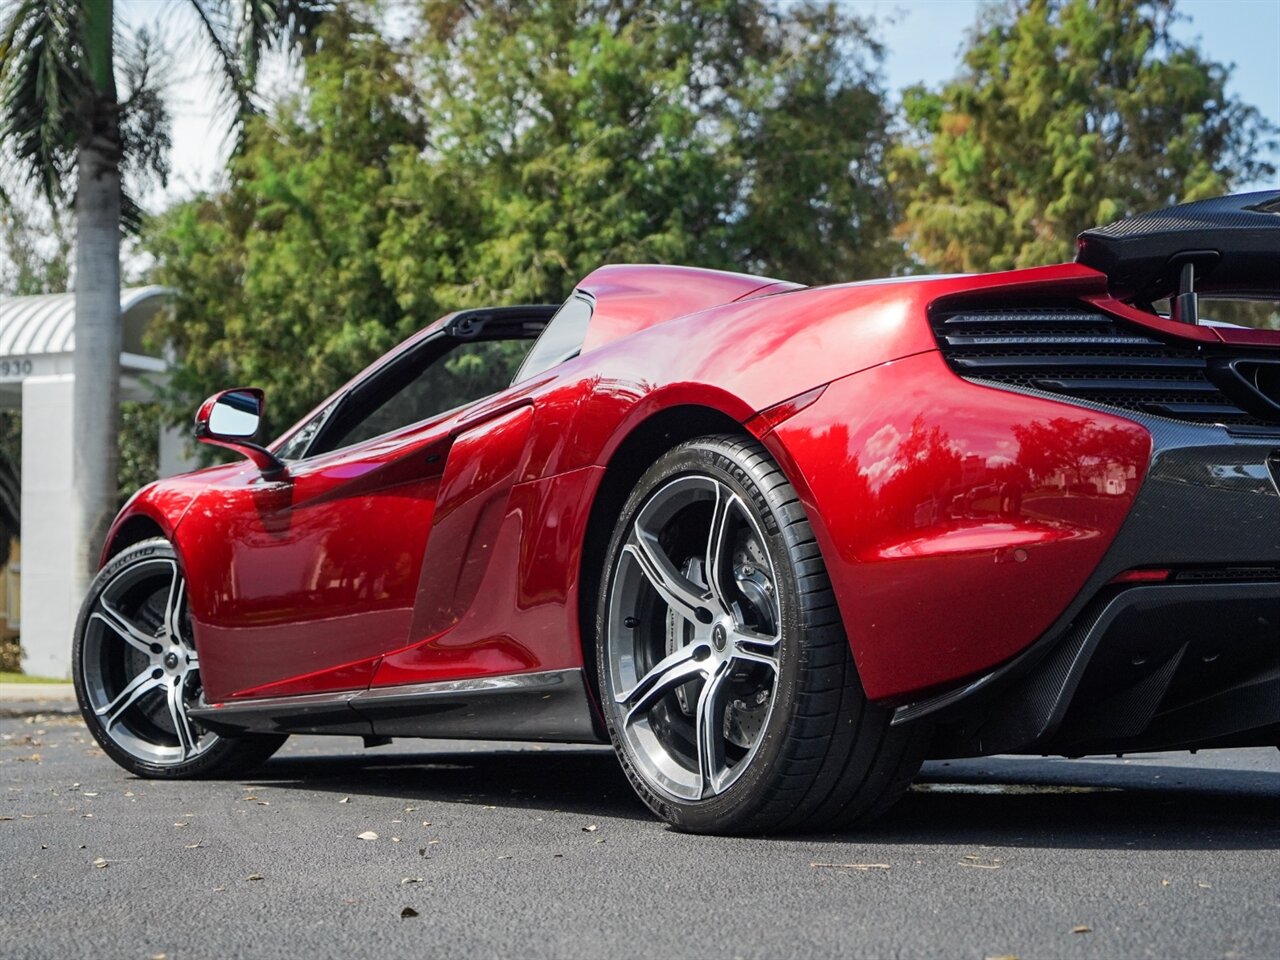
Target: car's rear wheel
{"points": [[728, 687], [137, 670]]}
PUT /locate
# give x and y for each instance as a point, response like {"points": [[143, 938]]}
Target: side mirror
{"points": [[231, 419]]}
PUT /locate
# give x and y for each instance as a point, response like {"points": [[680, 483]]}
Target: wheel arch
{"points": [[130, 530], [644, 443]]}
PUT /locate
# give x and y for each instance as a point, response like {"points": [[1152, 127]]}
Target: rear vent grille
{"points": [[1086, 355]]}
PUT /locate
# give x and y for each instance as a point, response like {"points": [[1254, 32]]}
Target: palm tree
{"points": [[63, 126]]}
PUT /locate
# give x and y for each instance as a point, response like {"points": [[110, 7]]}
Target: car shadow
{"points": [[994, 801], [1086, 804], [586, 780]]}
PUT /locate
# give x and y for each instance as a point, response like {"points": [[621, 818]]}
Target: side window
{"points": [[562, 339], [418, 387]]}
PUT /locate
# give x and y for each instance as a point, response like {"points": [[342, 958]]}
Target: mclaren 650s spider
{"points": [[777, 545]]}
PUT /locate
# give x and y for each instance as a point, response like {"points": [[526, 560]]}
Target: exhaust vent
{"points": [[1084, 354]]}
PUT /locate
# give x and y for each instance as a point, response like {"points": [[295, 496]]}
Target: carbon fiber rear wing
{"points": [[1225, 246]]}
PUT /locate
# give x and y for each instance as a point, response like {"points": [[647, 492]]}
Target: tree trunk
{"points": [[96, 362]]}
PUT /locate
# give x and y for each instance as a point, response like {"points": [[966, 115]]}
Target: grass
{"points": [[7, 677]]}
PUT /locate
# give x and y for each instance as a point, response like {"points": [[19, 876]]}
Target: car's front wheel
{"points": [[727, 682], [137, 671]]}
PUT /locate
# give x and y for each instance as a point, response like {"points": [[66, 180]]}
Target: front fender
{"points": [[163, 503]]}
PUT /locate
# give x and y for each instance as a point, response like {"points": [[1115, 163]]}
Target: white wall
{"points": [[48, 552], [177, 451]]}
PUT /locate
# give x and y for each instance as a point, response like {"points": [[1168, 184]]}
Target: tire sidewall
{"points": [[752, 788]]}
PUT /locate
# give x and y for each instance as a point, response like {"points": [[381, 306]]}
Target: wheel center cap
{"points": [[171, 660], [719, 637]]}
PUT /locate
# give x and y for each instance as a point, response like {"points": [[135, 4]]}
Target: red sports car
{"points": [[776, 544]]}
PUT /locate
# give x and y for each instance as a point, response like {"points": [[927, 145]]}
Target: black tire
{"points": [[824, 756], [134, 662]]}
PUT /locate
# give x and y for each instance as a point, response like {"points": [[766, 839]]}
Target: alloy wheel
{"points": [[140, 666], [693, 638]]}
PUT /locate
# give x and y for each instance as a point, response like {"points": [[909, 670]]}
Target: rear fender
{"points": [[956, 521]]}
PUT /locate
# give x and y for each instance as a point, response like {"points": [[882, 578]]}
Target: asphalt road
{"points": [[505, 850]]}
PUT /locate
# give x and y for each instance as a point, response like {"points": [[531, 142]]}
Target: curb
{"points": [[37, 708], [32, 699]]}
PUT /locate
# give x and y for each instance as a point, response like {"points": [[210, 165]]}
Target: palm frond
{"points": [[268, 23], [219, 33], [145, 123], [239, 31], [132, 216], [42, 94]]}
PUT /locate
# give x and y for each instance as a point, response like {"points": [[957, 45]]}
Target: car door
{"points": [[300, 584]]}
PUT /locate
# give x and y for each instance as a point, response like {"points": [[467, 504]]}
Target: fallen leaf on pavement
{"points": [[100, 863], [590, 829], [405, 880], [367, 835], [345, 800], [1081, 928], [254, 876], [408, 912]]}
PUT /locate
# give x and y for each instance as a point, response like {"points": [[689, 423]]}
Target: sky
{"points": [[923, 39]]}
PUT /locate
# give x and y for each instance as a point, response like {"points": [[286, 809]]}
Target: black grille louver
{"points": [[1084, 354]]}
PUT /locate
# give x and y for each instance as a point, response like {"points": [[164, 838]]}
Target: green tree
{"points": [[505, 151], [35, 248], [64, 125], [278, 279], [1067, 113], [732, 134]]}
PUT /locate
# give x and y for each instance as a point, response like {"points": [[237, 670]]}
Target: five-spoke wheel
{"points": [[140, 666], [137, 670], [694, 630], [726, 678]]}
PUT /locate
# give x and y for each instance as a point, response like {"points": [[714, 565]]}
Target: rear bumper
{"points": [[1191, 662]]}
